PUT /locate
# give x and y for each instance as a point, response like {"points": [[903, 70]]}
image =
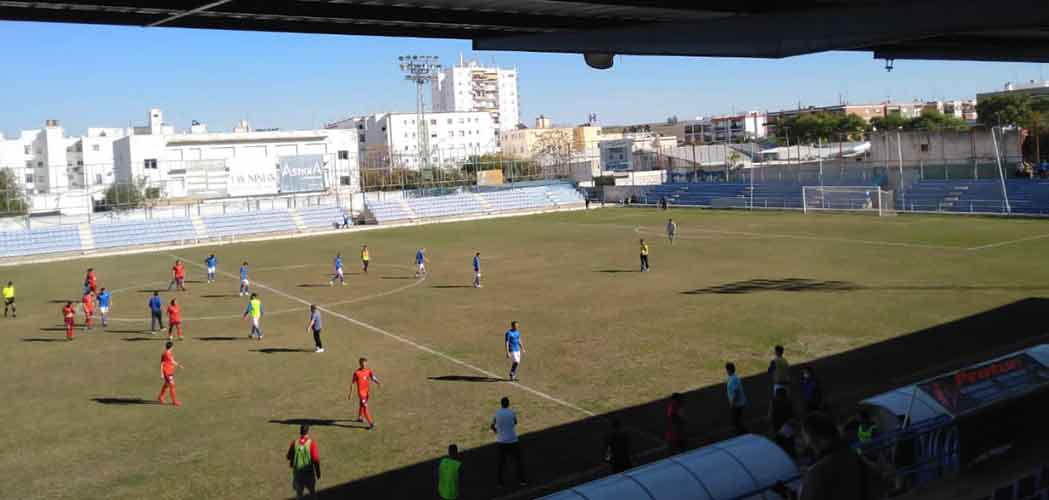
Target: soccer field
{"points": [[81, 421]]}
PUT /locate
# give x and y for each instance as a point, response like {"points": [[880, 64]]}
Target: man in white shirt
{"points": [[504, 426]]}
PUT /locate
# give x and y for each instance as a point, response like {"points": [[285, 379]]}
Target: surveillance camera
{"points": [[599, 60]]}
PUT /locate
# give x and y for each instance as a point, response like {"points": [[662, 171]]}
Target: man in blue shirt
{"points": [[477, 270], [244, 279], [421, 260], [155, 314], [338, 272], [514, 348], [211, 263], [103, 304], [737, 399]]}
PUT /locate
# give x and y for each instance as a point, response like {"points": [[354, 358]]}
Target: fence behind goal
{"points": [[848, 198]]}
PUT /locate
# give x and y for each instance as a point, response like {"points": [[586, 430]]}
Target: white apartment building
{"points": [[47, 161], [392, 139], [469, 86]]}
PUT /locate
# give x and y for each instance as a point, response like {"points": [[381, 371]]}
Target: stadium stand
{"points": [[487, 202], [40, 241], [976, 196], [319, 218], [249, 223], [766, 195], [143, 232]]}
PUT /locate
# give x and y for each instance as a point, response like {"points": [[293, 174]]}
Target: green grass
{"points": [[598, 340]]}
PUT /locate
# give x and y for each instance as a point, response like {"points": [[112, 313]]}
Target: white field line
{"points": [[412, 343], [1008, 242], [638, 229]]}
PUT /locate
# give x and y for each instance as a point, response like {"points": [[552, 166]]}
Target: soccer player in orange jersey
{"points": [[178, 276], [90, 281], [69, 316], [362, 377], [89, 309], [174, 319], [167, 371]]}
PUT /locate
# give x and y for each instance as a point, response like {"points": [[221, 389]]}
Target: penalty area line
{"points": [[407, 341]]}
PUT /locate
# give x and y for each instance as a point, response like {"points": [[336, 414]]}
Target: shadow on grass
{"points": [[60, 301], [322, 422], [219, 339], [618, 271], [125, 331], [44, 340], [452, 286], [57, 329], [466, 378], [279, 350], [312, 285], [124, 401], [561, 456], [811, 285], [396, 277]]}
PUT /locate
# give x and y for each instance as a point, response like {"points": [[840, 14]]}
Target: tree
{"points": [[935, 120], [553, 146], [1005, 109], [124, 196], [12, 197], [892, 121]]}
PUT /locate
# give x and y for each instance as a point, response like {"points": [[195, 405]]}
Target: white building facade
{"points": [[392, 139], [469, 86]]}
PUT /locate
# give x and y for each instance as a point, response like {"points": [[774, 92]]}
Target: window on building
{"points": [[98, 179], [344, 155], [433, 135], [94, 147], [39, 164], [462, 133], [449, 121], [925, 148], [451, 133], [41, 179], [433, 122], [80, 163], [28, 150], [149, 163], [360, 138], [28, 178]]}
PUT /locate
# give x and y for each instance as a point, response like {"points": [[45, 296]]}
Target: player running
{"points": [[69, 317], [421, 260], [212, 264], [338, 272], [90, 281], [255, 311], [477, 270], [244, 279], [514, 348], [644, 256], [88, 305], [105, 298], [178, 276], [361, 378], [365, 257], [174, 319], [671, 230], [167, 372], [9, 299]]}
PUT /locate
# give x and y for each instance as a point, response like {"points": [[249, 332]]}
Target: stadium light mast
{"points": [[421, 70]]}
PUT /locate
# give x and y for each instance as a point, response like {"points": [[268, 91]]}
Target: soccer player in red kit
{"points": [[174, 319], [178, 276], [89, 309], [90, 281], [167, 371], [69, 316], [361, 378]]}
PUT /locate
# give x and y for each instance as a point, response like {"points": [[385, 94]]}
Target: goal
{"points": [[871, 199]]}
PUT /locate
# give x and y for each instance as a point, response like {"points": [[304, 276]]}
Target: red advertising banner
{"points": [[983, 385]]}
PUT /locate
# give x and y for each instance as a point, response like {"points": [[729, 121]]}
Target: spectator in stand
{"points": [[617, 448], [779, 369], [811, 391], [838, 473], [737, 399], [781, 421], [675, 415]]}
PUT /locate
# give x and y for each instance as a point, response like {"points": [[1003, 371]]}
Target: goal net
{"points": [[871, 199]]}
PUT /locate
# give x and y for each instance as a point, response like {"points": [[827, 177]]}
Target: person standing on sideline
{"points": [[338, 272], [477, 270], [315, 327], [88, 304], [737, 399], [9, 299], [167, 372], [174, 319], [811, 391], [617, 448], [178, 276], [69, 317], [504, 426], [254, 310], [244, 285], [105, 298], [587, 202], [779, 369], [449, 471], [671, 230], [155, 317], [644, 256], [675, 415], [421, 260], [514, 348], [362, 377], [212, 264], [365, 257], [305, 463]]}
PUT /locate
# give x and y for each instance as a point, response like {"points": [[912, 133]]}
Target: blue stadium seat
{"points": [[40, 241], [142, 232]]}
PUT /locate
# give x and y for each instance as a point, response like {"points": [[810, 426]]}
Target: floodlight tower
{"points": [[422, 70]]}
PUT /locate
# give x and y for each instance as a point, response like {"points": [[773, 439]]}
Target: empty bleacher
{"points": [[976, 196], [272, 221], [142, 232], [543, 197], [318, 218], [40, 241]]}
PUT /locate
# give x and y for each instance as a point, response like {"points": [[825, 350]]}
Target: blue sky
{"points": [[107, 76]]}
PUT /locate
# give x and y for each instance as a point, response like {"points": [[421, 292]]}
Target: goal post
{"points": [[870, 199]]}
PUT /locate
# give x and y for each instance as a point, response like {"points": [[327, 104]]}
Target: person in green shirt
{"points": [[9, 299], [449, 470]]}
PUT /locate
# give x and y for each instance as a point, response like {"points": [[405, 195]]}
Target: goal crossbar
{"points": [[871, 199]]}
